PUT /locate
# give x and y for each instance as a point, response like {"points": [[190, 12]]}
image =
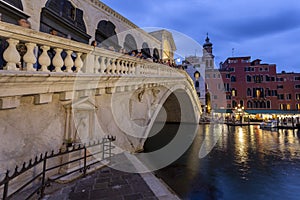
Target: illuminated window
{"points": [[282, 106], [233, 92], [288, 106], [197, 75], [297, 96], [297, 106], [258, 92]]}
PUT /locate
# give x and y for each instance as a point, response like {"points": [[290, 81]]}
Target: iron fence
{"points": [[41, 180]]}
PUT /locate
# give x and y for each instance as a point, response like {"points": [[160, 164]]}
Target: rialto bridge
{"points": [[88, 93]]}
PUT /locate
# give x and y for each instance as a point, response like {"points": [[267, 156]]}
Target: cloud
{"points": [[262, 29]]}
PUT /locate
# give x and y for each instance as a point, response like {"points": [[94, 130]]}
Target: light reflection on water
{"points": [[245, 163]]}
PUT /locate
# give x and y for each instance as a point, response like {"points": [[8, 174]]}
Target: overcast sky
{"points": [[264, 29]]}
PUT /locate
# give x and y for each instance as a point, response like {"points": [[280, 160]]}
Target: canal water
{"points": [[241, 163]]}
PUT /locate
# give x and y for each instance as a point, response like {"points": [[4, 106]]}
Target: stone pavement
{"points": [[106, 183], [110, 184]]}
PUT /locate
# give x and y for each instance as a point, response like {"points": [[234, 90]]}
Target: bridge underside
{"points": [[177, 111]]}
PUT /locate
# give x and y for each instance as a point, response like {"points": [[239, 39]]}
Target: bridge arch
{"points": [[12, 11], [106, 34], [66, 18], [130, 43], [146, 50]]}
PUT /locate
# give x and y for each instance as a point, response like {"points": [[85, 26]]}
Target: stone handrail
{"points": [[69, 56]]}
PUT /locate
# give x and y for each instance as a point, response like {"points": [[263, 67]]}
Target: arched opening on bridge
{"points": [[130, 43], [66, 19], [106, 35], [176, 112], [11, 11], [156, 54], [145, 50]]}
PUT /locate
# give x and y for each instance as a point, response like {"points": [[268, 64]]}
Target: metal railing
{"points": [[41, 180]]}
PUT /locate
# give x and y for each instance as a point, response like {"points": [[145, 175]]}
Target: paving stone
{"points": [[133, 197], [79, 195], [104, 184], [101, 186], [103, 180]]}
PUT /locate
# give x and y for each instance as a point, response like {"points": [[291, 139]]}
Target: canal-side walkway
{"points": [[108, 183]]}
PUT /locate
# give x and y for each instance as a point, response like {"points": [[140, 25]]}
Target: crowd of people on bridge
{"points": [[137, 54]]}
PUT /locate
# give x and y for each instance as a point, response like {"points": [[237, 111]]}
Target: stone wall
{"points": [[30, 130]]}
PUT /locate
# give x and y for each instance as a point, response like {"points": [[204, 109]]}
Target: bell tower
{"points": [[208, 57]]}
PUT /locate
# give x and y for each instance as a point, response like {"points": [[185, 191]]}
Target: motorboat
{"points": [[268, 124]]}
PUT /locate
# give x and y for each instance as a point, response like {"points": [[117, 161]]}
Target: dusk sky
{"points": [[268, 30]]}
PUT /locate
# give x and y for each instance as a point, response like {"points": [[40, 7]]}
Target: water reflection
{"points": [[245, 163]]}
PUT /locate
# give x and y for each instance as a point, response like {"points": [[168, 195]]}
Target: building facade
{"points": [[207, 79], [256, 85], [242, 82]]}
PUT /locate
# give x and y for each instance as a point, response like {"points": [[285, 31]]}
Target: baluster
{"points": [[78, 62], [130, 67], [69, 61], [108, 65], [113, 66], [118, 67], [126, 67], [134, 68], [102, 65], [29, 57], [44, 58], [97, 65], [11, 55], [57, 60], [123, 66]]}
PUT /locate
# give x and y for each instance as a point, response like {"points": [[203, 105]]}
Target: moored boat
{"points": [[268, 124]]}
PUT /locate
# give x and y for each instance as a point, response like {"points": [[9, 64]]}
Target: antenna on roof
{"points": [[232, 52]]}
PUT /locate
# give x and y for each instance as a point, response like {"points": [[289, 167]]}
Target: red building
{"points": [[253, 85]]}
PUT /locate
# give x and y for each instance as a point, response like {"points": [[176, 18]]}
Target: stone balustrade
{"points": [[48, 53]]}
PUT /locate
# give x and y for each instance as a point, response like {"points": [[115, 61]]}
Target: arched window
{"points": [[234, 104], [65, 18], [11, 11], [249, 104], [233, 79], [241, 102], [258, 93], [146, 50], [248, 92], [263, 104], [106, 35], [233, 92], [156, 54], [256, 105], [268, 104], [130, 43], [197, 75]]}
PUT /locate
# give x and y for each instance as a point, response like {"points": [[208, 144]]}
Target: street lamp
{"points": [[239, 110]]}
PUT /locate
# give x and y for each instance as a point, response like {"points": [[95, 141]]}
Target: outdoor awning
{"points": [[276, 112]]}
